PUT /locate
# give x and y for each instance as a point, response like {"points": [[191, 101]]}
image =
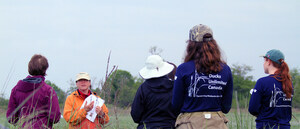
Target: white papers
{"points": [[91, 115]]}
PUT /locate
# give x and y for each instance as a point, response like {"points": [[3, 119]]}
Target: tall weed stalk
{"points": [[241, 118]]}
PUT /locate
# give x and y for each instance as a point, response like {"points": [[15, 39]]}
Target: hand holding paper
{"points": [[90, 104], [88, 107], [99, 111]]}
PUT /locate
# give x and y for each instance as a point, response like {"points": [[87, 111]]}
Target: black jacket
{"points": [[152, 104]]}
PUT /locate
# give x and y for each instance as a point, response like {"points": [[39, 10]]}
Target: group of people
{"points": [[201, 92], [196, 95]]}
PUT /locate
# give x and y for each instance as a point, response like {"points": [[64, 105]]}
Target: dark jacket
{"points": [[33, 103], [152, 104]]}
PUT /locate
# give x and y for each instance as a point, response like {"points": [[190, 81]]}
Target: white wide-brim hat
{"points": [[155, 67]]}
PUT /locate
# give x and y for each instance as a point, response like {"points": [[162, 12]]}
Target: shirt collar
{"points": [[84, 95]]}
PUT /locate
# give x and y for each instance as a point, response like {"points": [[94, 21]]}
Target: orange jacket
{"points": [[76, 116]]}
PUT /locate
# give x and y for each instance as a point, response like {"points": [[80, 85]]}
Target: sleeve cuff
{"points": [[83, 112]]}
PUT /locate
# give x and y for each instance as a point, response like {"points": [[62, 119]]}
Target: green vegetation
{"points": [[123, 88], [242, 120], [242, 84], [120, 87], [61, 95], [3, 101], [296, 83]]}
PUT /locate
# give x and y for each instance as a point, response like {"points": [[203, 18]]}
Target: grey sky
{"points": [[78, 35]]}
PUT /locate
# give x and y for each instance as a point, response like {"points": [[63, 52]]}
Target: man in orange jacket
{"points": [[75, 115]]}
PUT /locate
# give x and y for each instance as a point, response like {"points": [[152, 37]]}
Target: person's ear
{"points": [[268, 62]]}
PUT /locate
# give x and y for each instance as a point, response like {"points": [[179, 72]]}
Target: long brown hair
{"points": [[283, 75], [206, 55]]}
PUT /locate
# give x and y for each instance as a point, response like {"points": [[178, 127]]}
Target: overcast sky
{"points": [[77, 35]]}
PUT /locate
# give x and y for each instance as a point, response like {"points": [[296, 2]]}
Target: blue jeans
{"points": [[266, 125]]}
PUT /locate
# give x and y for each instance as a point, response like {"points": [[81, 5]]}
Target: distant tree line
{"points": [[120, 87]]}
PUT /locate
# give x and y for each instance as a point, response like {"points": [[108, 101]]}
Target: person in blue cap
{"points": [[271, 99]]}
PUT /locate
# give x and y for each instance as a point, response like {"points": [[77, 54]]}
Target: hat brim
{"points": [[86, 78], [154, 73]]}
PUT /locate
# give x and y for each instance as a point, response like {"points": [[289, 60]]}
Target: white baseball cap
{"points": [[83, 75]]}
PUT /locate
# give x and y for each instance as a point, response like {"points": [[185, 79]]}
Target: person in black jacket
{"points": [[151, 107]]}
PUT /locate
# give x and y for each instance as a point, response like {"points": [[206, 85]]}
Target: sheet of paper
{"points": [[91, 115]]}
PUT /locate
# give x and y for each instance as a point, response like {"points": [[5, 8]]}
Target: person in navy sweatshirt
{"points": [[271, 99], [151, 107], [203, 84]]}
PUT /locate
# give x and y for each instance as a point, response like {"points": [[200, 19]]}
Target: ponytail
{"points": [[283, 75]]}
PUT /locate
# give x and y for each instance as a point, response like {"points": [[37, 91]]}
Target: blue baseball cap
{"points": [[275, 55]]}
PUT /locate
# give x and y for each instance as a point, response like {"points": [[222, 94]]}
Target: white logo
{"points": [[278, 97], [252, 90]]}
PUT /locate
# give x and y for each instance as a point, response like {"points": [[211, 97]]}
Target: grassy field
{"points": [[245, 120], [241, 120]]}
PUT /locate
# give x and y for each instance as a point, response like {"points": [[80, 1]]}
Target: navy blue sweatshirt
{"points": [[197, 92], [269, 103], [152, 104]]}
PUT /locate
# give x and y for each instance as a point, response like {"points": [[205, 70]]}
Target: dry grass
{"points": [[125, 121]]}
